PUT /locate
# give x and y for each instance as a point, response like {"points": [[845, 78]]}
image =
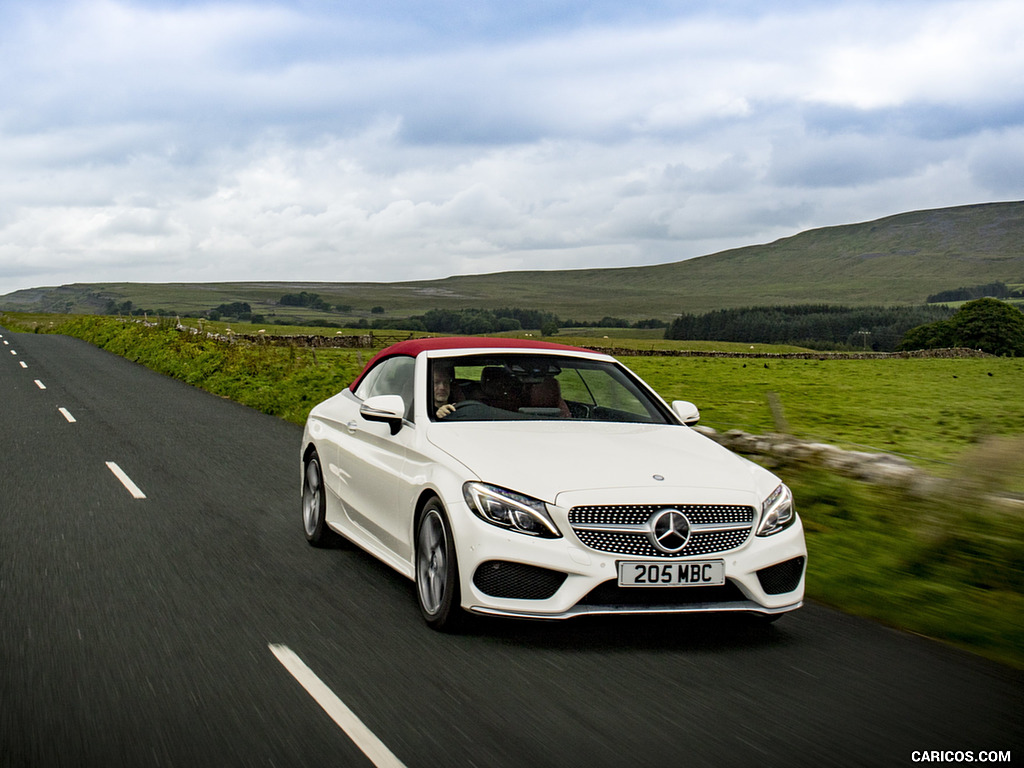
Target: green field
{"points": [[929, 409], [949, 565]]}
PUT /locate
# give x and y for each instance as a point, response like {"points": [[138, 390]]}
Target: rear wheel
{"points": [[437, 573], [314, 506]]}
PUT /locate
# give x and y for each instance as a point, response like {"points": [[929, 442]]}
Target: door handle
{"points": [[352, 427]]}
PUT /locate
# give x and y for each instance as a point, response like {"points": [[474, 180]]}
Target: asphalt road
{"points": [[138, 631]]}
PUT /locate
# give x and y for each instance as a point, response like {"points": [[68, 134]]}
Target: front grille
{"points": [[517, 581], [624, 529], [610, 593], [639, 514], [781, 578]]}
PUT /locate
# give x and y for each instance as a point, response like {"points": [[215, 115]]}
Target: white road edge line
{"points": [[364, 738], [67, 415], [40, 384], [126, 481]]}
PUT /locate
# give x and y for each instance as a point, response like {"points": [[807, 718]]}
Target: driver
{"points": [[443, 374]]}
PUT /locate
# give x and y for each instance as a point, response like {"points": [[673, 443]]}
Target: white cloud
{"points": [[996, 161], [961, 52], [266, 141]]}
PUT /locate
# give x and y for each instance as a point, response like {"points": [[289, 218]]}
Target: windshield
{"points": [[500, 387]]}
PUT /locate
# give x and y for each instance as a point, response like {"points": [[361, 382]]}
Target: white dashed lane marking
{"points": [[126, 481], [119, 473], [364, 738]]}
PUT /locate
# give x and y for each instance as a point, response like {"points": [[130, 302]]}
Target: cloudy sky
{"points": [[178, 140]]}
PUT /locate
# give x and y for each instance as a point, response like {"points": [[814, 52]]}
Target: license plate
{"points": [[703, 573]]}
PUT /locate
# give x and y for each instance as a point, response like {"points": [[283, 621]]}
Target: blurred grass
{"points": [[946, 566], [949, 565]]}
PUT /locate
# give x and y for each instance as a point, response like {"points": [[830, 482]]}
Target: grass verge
{"points": [[280, 381]]}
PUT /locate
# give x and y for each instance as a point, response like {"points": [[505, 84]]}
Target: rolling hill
{"points": [[896, 260]]}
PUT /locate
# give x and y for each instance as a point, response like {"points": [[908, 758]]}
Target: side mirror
{"points": [[686, 411], [389, 409]]}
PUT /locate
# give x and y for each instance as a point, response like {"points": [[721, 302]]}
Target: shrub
{"points": [[987, 324]]}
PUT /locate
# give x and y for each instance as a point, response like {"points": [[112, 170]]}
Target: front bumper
{"points": [[510, 574]]}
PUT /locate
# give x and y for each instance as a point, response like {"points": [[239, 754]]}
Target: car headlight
{"points": [[508, 509], [777, 512]]}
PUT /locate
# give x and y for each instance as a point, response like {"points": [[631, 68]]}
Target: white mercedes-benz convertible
{"points": [[536, 480]]}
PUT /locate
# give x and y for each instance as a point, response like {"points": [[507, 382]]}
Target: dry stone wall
{"points": [[879, 468]]}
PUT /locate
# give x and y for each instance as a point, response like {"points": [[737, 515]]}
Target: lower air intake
{"points": [[517, 581], [610, 593], [781, 578]]}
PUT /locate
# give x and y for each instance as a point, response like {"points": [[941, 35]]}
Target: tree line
{"points": [[817, 326], [473, 321]]}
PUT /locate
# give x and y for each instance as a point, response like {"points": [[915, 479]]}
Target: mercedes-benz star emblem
{"points": [[670, 530]]}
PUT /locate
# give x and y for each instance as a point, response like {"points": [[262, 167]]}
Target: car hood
{"points": [[547, 460]]}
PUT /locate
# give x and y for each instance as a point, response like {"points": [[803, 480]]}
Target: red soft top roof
{"points": [[412, 347]]}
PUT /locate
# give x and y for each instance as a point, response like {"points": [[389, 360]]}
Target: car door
{"points": [[371, 460]]}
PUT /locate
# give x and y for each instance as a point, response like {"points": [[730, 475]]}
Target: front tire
{"points": [[437, 572], [314, 506]]}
